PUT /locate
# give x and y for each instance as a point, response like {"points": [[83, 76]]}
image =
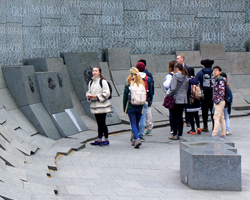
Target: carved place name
{"points": [[63, 30], [160, 43], [213, 37], [86, 41], [85, 4], [192, 3], [136, 33], [149, 15], [112, 5], [238, 27], [180, 25], [232, 4], [232, 15], [10, 48], [208, 14], [34, 9], [118, 20]]}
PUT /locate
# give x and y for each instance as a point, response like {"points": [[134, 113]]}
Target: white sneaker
{"points": [[137, 143], [229, 133]]}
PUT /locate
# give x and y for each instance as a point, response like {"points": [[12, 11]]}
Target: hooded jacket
{"points": [[200, 74], [180, 95]]}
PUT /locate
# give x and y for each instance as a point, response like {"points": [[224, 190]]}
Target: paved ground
{"points": [[152, 172]]}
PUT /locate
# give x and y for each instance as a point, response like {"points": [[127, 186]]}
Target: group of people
{"points": [[178, 83], [212, 82]]}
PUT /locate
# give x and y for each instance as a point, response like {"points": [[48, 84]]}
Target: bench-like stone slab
{"points": [[118, 58], [213, 51], [210, 164]]}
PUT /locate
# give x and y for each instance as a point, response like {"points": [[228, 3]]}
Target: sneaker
{"points": [[223, 137], [132, 136], [171, 132], [96, 142], [105, 143], [137, 143], [213, 136], [198, 131], [192, 132], [133, 143], [204, 129], [141, 138], [148, 133], [188, 125], [172, 137], [229, 133]]}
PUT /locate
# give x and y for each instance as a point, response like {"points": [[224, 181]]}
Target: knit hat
{"points": [[207, 63], [140, 66]]}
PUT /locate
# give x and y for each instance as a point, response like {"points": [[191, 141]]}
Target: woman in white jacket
{"points": [[100, 104], [166, 85]]}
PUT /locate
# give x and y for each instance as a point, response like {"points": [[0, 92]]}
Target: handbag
{"points": [[168, 102]]}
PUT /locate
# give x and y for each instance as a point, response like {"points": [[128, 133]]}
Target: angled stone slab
{"points": [[55, 65], [41, 120], [39, 190], [192, 58], [81, 126], [18, 173], [6, 191], [117, 103], [77, 104], [52, 94], [120, 76], [114, 90], [20, 146], [2, 164], [3, 118], [2, 81], [105, 70], [118, 58], [160, 77], [213, 51], [120, 89], [80, 66], [150, 65], [161, 62], [239, 62], [241, 81], [157, 82], [158, 106], [11, 159], [18, 116], [7, 100], [64, 124], [112, 118], [159, 95], [90, 122], [224, 64], [22, 84]]}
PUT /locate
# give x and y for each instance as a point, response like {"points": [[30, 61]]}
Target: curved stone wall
{"points": [[44, 28]]}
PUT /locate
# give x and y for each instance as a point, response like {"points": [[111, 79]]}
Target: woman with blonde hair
{"points": [[134, 111]]}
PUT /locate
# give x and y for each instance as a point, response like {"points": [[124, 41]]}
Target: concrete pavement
{"points": [[152, 172]]}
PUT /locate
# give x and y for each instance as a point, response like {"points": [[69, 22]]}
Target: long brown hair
{"points": [[134, 77], [100, 70], [171, 65], [181, 68]]}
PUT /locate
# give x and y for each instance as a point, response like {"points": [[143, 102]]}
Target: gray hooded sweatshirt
{"points": [[180, 95]]}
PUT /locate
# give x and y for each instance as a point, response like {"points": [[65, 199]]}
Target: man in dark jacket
{"points": [[206, 79], [148, 118]]}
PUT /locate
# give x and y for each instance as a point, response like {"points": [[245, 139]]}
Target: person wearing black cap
{"points": [[206, 79]]}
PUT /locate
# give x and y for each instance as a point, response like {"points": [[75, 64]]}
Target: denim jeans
{"points": [[227, 119], [134, 118], [142, 120]]}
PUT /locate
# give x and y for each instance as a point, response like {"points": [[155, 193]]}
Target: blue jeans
{"points": [[134, 118], [227, 119], [142, 120]]}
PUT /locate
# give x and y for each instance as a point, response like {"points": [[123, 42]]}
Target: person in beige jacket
{"points": [[100, 104]]}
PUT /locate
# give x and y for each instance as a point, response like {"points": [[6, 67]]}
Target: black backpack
{"points": [[110, 87]]}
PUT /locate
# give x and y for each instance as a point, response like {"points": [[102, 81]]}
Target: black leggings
{"points": [[192, 116], [102, 127], [177, 113]]}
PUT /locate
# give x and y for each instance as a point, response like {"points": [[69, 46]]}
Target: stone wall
{"points": [[44, 28]]}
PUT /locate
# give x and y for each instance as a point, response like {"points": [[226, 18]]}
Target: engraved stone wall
{"points": [[45, 28]]}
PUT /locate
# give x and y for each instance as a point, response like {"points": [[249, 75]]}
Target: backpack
{"points": [[196, 93], [228, 95], [137, 94], [146, 82], [110, 87], [208, 81]]}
